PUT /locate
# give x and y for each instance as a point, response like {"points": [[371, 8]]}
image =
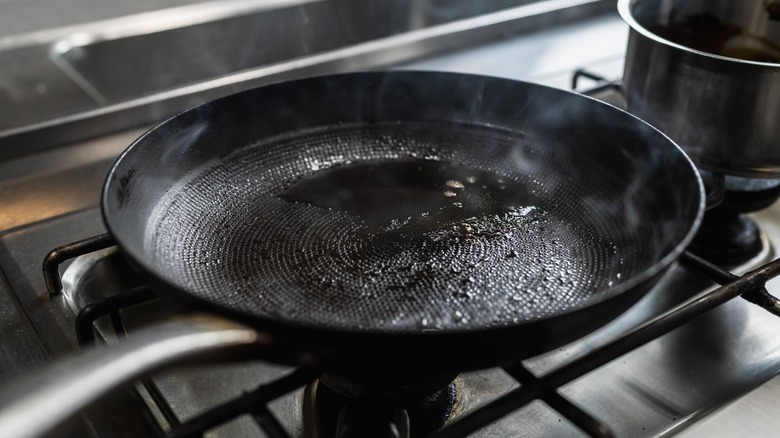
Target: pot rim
{"points": [[624, 9]]}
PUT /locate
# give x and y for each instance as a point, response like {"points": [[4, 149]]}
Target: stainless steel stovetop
{"points": [[714, 376]]}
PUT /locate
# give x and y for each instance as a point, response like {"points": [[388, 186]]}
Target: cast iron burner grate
{"points": [[750, 286]]}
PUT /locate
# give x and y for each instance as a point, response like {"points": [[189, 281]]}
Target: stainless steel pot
{"points": [[701, 83]]}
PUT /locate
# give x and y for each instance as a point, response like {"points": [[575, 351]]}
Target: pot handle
{"points": [[60, 391]]}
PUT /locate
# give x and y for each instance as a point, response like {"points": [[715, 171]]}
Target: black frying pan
{"points": [[416, 222]]}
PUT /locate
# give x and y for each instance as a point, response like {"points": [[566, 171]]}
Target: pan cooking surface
{"points": [[394, 227]]}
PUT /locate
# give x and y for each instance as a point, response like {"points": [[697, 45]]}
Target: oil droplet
{"points": [[455, 184], [449, 194]]}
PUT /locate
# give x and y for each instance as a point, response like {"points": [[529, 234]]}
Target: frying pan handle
{"points": [[62, 390]]}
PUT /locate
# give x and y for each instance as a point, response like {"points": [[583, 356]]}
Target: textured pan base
{"points": [[230, 228]]}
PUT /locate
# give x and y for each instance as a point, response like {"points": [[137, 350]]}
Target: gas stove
{"points": [[711, 375]]}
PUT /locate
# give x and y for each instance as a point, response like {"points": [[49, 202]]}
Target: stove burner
{"points": [[750, 194], [327, 413], [728, 237]]}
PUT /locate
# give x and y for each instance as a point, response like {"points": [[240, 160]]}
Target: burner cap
{"points": [[744, 195], [408, 413], [727, 238]]}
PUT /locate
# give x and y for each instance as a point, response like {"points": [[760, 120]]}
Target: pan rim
{"points": [[278, 325]]}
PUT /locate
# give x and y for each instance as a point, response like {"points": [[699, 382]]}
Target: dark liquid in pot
{"points": [[773, 9], [708, 33]]}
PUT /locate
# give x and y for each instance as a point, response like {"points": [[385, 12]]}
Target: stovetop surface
{"points": [[52, 198]]}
